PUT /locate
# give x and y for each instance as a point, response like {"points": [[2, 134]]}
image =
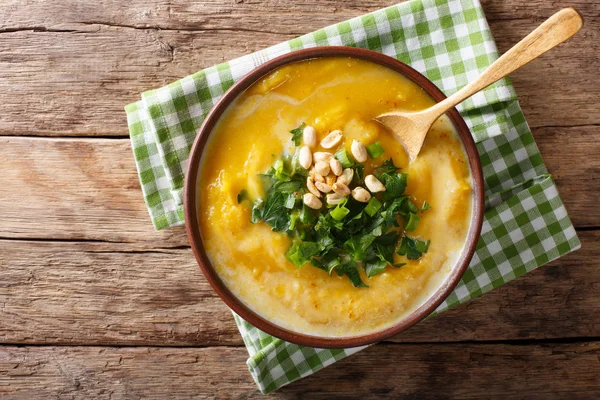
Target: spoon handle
{"points": [[551, 33]]}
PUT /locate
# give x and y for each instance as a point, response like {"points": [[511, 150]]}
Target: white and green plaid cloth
{"points": [[525, 226]]}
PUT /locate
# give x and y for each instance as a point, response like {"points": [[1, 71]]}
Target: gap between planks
{"points": [[509, 342]]}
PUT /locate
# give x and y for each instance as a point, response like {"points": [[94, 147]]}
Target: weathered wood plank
{"points": [[118, 294], [88, 189], [558, 88], [75, 189], [473, 371], [51, 84], [283, 17], [571, 156]]}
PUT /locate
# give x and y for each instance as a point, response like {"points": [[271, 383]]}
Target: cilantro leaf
{"points": [[297, 134], [307, 215], [357, 245], [274, 212], [395, 184], [387, 167], [257, 212], [375, 267], [385, 246], [359, 174], [350, 269], [344, 238], [413, 248], [301, 252], [328, 263]]}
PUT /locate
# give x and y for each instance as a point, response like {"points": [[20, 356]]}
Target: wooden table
{"points": [[95, 304]]}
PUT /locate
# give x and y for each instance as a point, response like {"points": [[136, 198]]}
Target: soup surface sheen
{"points": [[327, 93]]}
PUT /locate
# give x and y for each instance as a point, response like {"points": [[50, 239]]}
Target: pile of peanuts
{"points": [[326, 174]]}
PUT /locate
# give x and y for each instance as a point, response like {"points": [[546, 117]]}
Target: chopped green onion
{"points": [[373, 206], [340, 211], [344, 158], [293, 218], [426, 206], [413, 222], [412, 207], [378, 231], [295, 163], [280, 170], [331, 265], [290, 202], [375, 150]]}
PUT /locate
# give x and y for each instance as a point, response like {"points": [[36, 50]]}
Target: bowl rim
{"points": [[193, 229]]}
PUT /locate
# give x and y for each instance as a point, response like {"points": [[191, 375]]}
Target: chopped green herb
{"points": [[426, 206], [357, 245], [344, 158], [293, 218], [280, 170], [413, 248], [242, 195], [350, 269], [395, 184], [375, 267], [301, 252], [373, 206], [257, 212], [412, 207], [291, 201], [307, 215], [387, 167], [413, 222], [340, 211], [297, 134], [375, 150], [274, 211], [359, 174], [333, 264], [345, 238]]}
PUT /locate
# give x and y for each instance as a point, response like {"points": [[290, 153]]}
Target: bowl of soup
{"points": [[307, 217]]}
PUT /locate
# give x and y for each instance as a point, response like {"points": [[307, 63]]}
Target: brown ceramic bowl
{"points": [[191, 214]]}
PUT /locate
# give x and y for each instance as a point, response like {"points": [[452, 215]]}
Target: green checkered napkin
{"points": [[525, 225]]}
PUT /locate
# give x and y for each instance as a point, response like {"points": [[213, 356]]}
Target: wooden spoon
{"points": [[410, 128]]}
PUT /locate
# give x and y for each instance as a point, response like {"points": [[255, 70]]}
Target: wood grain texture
{"points": [[460, 371], [84, 189], [67, 69], [117, 294]]}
